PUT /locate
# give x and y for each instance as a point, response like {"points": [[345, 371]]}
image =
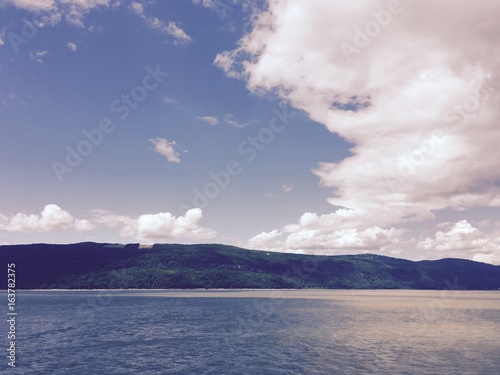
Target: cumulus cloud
{"points": [[72, 46], [165, 226], [208, 119], [145, 228], [52, 217], [411, 88], [166, 148], [465, 241], [262, 240], [321, 234]]}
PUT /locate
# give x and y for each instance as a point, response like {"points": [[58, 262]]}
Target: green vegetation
{"points": [[112, 266]]}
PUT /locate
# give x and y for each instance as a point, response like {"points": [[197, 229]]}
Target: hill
{"points": [[164, 266]]}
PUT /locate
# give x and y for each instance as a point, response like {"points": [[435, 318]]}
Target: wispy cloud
{"points": [[228, 119], [231, 121], [72, 46], [73, 11], [2, 37], [127, 224], [170, 101], [170, 28], [166, 148], [38, 56], [208, 119], [206, 3], [33, 5]]}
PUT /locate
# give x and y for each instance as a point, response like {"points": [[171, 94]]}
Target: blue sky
{"points": [[324, 128]]}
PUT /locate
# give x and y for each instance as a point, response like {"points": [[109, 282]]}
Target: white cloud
{"points": [[138, 8], [74, 11], [324, 234], [205, 3], [231, 121], [127, 224], [49, 19], [228, 61], [417, 102], [166, 148], [2, 37], [33, 5], [170, 28], [96, 28], [287, 188], [52, 217], [464, 241], [144, 228], [38, 56], [224, 7], [162, 226], [228, 119], [72, 46], [262, 240], [170, 101], [209, 119], [165, 226]]}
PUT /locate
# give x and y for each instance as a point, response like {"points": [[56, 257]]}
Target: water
{"points": [[257, 332]]}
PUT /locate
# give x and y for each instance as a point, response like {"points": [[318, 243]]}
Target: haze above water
{"points": [[258, 332]]}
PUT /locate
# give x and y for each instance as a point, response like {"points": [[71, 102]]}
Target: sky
{"points": [[320, 127]]}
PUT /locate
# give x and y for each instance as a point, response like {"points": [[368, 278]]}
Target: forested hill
{"points": [[112, 266]]}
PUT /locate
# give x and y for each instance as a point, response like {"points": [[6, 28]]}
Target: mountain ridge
{"points": [[91, 265]]}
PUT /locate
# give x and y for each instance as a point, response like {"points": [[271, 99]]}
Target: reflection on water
{"points": [[259, 332]]}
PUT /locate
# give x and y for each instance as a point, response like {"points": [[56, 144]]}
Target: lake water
{"points": [[256, 332]]}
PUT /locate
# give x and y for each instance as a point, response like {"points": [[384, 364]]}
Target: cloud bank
{"points": [[412, 86], [146, 228]]}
